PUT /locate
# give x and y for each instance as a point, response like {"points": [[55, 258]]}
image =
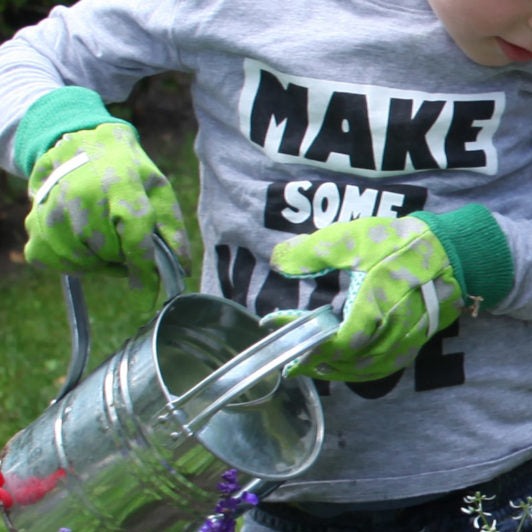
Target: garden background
{"points": [[34, 331]]}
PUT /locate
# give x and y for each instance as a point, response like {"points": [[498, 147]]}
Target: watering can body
{"points": [[141, 443]]}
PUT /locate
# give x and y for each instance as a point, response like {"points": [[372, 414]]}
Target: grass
{"points": [[34, 332]]}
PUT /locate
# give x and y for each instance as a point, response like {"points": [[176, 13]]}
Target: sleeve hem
{"points": [[60, 111]]}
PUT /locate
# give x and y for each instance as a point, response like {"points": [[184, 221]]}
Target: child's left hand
{"points": [[98, 199], [410, 278]]}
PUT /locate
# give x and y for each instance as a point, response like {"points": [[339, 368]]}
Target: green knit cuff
{"points": [[477, 249], [61, 111]]}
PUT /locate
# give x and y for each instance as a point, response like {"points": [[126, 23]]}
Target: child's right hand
{"points": [[409, 279], [97, 200]]}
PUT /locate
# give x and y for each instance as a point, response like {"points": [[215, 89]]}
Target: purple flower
{"points": [[229, 484], [227, 505], [250, 498], [231, 475], [213, 524], [226, 510]]}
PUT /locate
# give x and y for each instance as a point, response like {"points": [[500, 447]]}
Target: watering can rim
{"points": [[303, 333]]}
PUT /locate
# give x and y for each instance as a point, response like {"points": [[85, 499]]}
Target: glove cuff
{"points": [[477, 249], [60, 111]]}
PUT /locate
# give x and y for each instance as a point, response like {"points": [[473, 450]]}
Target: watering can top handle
{"points": [[172, 277], [268, 355]]}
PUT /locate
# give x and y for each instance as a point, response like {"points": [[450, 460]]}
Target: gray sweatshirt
{"points": [[312, 112]]}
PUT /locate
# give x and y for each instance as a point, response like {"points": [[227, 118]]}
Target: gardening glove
{"points": [[409, 278], [97, 200]]}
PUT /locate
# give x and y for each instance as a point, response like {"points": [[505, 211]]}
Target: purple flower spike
{"points": [[226, 510], [227, 488], [250, 498], [231, 475]]}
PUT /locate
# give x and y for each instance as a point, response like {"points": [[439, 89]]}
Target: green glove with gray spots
{"points": [[97, 201], [409, 278]]}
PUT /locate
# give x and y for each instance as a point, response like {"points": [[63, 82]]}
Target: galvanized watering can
{"points": [[140, 444]]}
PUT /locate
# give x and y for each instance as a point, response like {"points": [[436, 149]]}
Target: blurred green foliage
{"points": [[14, 14]]}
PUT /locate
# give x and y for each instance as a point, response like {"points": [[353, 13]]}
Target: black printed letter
{"points": [[290, 104], [462, 131], [406, 134], [345, 129]]}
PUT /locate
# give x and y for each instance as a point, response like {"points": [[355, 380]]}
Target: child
{"points": [[409, 123]]}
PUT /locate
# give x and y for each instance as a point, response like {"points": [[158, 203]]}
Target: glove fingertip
{"points": [[295, 261], [291, 369], [283, 252], [280, 317]]}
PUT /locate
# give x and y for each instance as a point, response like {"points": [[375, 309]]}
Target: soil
{"points": [[161, 109], [12, 235]]}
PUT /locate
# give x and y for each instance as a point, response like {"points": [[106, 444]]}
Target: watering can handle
{"points": [[172, 277], [222, 386]]}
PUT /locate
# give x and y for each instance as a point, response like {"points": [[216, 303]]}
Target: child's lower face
{"points": [[490, 32]]}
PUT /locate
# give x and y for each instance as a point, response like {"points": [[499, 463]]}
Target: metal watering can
{"points": [[141, 443]]}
